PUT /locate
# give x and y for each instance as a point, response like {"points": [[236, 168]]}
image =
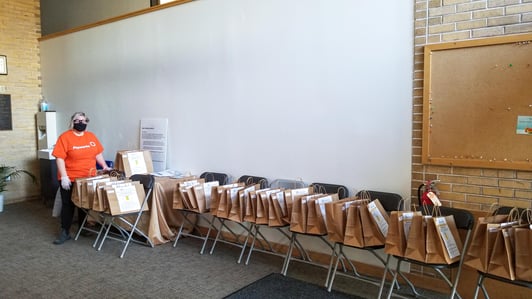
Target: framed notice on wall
{"points": [[6, 122], [153, 137], [477, 103]]}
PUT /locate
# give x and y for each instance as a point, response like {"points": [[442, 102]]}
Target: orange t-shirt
{"points": [[79, 153]]}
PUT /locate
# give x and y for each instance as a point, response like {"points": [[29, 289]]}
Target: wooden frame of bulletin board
{"points": [[477, 103]]}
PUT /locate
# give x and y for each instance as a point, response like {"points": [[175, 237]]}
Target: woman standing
{"points": [[76, 153]]}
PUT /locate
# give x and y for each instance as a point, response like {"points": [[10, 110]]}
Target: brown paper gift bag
{"points": [[434, 251], [292, 194], [238, 203], [263, 206], [118, 195], [251, 207], [315, 225], [277, 210], [523, 253], [227, 199], [336, 218], [103, 202], [320, 206], [202, 195], [482, 241], [218, 194], [177, 200], [353, 228], [321, 201], [501, 260], [373, 235], [449, 238], [415, 244], [185, 192], [398, 230], [298, 222], [379, 217], [76, 193], [79, 191], [91, 188], [223, 205], [261, 211]]}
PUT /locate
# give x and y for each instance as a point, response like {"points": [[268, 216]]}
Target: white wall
{"points": [[311, 89]]}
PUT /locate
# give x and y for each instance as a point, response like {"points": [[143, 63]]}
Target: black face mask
{"points": [[80, 127]]}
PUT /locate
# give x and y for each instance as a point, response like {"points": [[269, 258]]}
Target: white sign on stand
{"points": [[154, 138]]}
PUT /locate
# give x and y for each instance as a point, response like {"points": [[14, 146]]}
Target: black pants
{"points": [[68, 208]]}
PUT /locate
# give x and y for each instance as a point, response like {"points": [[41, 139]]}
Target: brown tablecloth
{"points": [[162, 222]]}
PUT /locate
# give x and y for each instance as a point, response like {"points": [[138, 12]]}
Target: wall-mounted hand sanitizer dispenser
{"points": [[46, 129]]}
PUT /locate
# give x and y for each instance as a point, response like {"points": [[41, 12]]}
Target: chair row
{"points": [[255, 240]]}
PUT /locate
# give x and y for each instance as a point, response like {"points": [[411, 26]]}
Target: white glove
{"points": [[65, 182]]}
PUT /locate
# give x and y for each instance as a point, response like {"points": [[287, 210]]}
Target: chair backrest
{"points": [[147, 180], [506, 210], [287, 184], [389, 201], [251, 179], [463, 218], [342, 190], [222, 178]]}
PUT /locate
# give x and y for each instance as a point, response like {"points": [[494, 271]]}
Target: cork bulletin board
{"points": [[477, 103]]}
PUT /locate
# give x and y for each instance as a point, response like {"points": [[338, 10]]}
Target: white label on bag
{"points": [[127, 197], [406, 218], [447, 237], [189, 183], [299, 192], [378, 217], [233, 194], [346, 205], [137, 163], [95, 182]]}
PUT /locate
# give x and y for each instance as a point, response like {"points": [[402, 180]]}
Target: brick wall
{"points": [[19, 30], [452, 20], [439, 21]]}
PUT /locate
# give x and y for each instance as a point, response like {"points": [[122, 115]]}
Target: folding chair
{"points": [[464, 221], [222, 179], [126, 234], [326, 188], [248, 180], [97, 216], [390, 202], [255, 228], [482, 276]]}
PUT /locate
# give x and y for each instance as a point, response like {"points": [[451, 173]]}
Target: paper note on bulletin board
{"points": [[524, 125], [477, 96], [154, 138]]}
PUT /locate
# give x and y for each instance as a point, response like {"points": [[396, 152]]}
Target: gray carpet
{"points": [[32, 267]]}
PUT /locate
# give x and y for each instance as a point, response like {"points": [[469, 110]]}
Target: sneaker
{"points": [[63, 237]]}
